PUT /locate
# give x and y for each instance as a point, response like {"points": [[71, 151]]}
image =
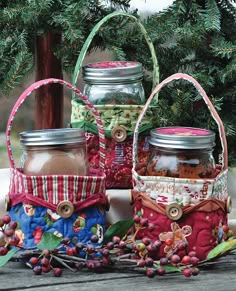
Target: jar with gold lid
{"points": [[54, 152], [181, 152]]}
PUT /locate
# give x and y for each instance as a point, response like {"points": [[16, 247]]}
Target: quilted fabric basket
{"points": [[66, 205], [189, 210], [118, 174]]}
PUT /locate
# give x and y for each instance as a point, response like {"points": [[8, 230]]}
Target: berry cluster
{"points": [[7, 234]]}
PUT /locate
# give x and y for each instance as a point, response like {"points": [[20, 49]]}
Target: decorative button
{"points": [[119, 133], [229, 204], [7, 203], [65, 209], [174, 211]]}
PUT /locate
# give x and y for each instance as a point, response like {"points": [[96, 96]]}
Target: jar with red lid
{"points": [[181, 152], [54, 152]]}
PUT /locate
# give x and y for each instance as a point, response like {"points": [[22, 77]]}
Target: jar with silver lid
{"points": [[54, 152], [181, 152], [114, 82]]}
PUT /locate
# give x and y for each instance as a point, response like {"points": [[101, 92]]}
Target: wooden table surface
{"points": [[220, 276]]}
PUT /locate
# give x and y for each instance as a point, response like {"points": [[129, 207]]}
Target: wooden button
{"points": [[119, 133], [7, 203], [229, 204], [174, 211], [65, 209]]}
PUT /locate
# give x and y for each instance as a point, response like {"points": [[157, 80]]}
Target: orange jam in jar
{"points": [[181, 152], [54, 152]]}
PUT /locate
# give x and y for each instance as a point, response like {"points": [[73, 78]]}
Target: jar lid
{"points": [[182, 138], [112, 72], [52, 136]]}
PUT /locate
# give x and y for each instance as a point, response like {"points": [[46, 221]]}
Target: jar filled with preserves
{"points": [[114, 83], [54, 152], [182, 152]]}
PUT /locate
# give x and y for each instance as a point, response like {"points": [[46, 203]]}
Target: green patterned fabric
{"points": [[112, 116]]}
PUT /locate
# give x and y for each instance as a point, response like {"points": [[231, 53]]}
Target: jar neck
{"points": [[180, 151]]}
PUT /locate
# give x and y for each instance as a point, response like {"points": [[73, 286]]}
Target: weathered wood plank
{"points": [[218, 277]]}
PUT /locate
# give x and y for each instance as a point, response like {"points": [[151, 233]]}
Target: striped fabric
{"points": [[57, 188]]}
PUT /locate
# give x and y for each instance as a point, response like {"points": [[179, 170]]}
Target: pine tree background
{"points": [[196, 37]]}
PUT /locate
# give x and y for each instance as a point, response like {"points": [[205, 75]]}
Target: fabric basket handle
{"points": [[36, 86], [96, 29], [214, 114]]}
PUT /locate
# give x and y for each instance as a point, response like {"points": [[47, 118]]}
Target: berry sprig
{"points": [[118, 252], [8, 237]]}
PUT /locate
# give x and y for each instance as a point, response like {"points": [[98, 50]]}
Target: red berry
{"points": [[122, 244], [150, 273], [146, 240], [14, 241], [195, 271], [161, 271], [151, 247], [187, 272], [181, 246], [33, 260], [225, 228], [149, 262], [186, 260], [175, 259], [116, 239], [57, 272], [13, 225], [44, 261], [164, 261], [46, 269], [94, 238], [6, 219], [8, 232], [70, 251], [141, 263], [37, 270], [3, 251], [144, 221], [137, 218], [194, 260], [192, 254], [110, 245], [157, 243]]}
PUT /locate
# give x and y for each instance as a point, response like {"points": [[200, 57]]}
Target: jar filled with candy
{"points": [[181, 152], [114, 83]]}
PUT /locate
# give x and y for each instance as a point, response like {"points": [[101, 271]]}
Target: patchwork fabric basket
{"points": [[65, 205], [118, 162], [188, 210]]}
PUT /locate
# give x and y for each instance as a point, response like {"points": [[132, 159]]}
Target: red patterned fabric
{"points": [[118, 163], [199, 225]]}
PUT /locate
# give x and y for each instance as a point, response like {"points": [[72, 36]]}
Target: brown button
{"points": [[174, 211], [119, 133], [7, 203], [65, 209], [229, 204]]}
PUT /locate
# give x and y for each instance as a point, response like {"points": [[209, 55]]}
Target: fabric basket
{"points": [[66, 205], [118, 173], [189, 210]]}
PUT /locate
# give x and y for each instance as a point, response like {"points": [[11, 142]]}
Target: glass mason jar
{"points": [[54, 152], [181, 152], [114, 83]]}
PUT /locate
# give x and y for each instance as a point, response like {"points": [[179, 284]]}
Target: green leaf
{"points": [[222, 249], [119, 228], [8, 256], [49, 241]]}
